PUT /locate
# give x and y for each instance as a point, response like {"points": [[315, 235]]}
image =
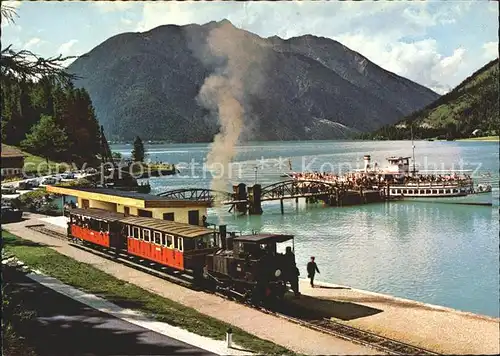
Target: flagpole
{"points": [[413, 148]]}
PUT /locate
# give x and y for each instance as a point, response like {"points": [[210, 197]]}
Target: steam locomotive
{"points": [[248, 266]]}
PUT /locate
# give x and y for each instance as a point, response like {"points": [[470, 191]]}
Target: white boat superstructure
{"points": [[400, 181]]}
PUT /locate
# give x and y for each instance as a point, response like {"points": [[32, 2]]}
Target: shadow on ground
{"points": [[312, 308], [62, 326]]}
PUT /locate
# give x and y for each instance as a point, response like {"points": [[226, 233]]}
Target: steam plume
{"points": [[223, 93]]}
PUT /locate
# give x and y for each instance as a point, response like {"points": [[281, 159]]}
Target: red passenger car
{"points": [[177, 245], [96, 226]]}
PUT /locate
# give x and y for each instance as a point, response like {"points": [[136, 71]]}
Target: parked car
{"points": [[8, 189], [49, 181], [68, 176]]}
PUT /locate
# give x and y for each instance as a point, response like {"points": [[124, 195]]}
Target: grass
{"points": [[37, 164], [14, 314], [85, 277], [484, 138]]}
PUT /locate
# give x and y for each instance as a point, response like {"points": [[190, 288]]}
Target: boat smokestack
{"points": [[367, 160]]}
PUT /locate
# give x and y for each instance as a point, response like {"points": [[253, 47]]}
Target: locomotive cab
{"points": [[252, 265]]}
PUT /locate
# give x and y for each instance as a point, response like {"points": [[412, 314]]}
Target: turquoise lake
{"points": [[442, 254]]}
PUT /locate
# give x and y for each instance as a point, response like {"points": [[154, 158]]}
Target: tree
{"points": [[46, 138], [138, 151]]}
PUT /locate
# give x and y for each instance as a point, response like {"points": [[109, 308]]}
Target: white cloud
{"points": [[490, 50], [381, 35], [418, 61], [113, 6], [13, 4], [66, 49], [33, 43], [126, 21]]}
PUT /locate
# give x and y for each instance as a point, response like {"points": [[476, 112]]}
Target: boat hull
{"points": [[482, 199]]}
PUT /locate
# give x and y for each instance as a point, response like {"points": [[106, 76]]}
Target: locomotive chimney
{"points": [[222, 236], [367, 159], [229, 241]]}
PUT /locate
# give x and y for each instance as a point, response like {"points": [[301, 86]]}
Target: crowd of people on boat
{"points": [[347, 181], [364, 181]]}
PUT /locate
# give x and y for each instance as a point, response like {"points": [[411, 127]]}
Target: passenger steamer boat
{"points": [[453, 186]]}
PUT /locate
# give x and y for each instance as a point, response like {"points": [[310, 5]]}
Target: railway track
{"points": [[323, 325]]}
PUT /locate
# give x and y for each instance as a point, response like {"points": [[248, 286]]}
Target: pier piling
{"points": [[254, 200]]}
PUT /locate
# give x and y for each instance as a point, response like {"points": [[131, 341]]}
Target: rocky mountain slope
{"points": [[303, 88]]}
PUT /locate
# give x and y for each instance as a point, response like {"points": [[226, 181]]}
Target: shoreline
{"points": [[406, 300]]}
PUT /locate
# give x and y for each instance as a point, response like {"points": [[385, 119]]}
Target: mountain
{"points": [[472, 105], [306, 87]]}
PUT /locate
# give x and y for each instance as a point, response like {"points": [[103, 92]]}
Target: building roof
{"points": [[169, 227], [126, 198], [98, 214], [10, 151], [264, 238]]}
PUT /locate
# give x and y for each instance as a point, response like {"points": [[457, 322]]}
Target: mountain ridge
{"points": [[146, 83]]}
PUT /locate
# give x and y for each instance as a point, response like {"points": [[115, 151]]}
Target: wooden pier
{"points": [[248, 199]]}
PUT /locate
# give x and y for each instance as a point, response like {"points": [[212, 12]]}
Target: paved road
{"points": [[66, 327]]}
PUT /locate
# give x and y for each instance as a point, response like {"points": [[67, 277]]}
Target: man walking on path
{"points": [[312, 268]]}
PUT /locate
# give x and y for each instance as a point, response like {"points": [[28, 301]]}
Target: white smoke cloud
{"points": [[223, 93]]}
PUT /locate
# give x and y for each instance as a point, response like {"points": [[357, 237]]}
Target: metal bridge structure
{"points": [[198, 194], [291, 189], [249, 198], [288, 189]]}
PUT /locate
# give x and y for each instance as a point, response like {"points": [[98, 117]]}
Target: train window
{"points": [[206, 241], [94, 224], [147, 235], [178, 243], [157, 237], [169, 240], [136, 233]]}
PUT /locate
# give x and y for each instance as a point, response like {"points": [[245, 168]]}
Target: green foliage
{"points": [[36, 201], [25, 103], [138, 152], [82, 183], [46, 138], [116, 155], [13, 316], [471, 105]]}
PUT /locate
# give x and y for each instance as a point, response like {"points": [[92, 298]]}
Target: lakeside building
{"points": [[12, 161], [136, 204]]}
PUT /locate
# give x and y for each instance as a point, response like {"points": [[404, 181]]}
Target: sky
{"points": [[434, 43]]}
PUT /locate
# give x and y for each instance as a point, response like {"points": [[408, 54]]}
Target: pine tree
{"points": [[138, 151]]}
